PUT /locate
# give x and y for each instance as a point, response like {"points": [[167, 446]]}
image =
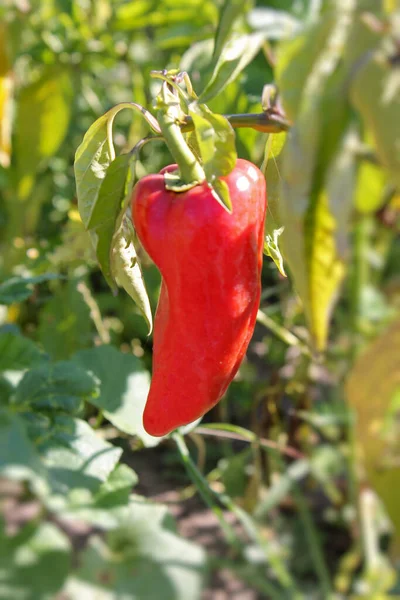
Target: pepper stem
{"points": [[168, 118]]}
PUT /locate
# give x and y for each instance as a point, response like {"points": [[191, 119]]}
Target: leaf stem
{"points": [[266, 122]]}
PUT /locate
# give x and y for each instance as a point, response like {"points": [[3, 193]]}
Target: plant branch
{"points": [[266, 122]]}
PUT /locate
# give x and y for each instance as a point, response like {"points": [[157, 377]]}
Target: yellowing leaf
{"points": [[6, 92], [373, 389], [43, 116]]}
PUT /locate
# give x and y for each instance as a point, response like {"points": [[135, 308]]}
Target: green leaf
{"points": [[283, 486], [230, 11], [126, 270], [109, 207], [116, 490], [311, 209], [315, 235], [275, 24], [92, 159], [124, 385], [215, 140], [271, 249], [18, 352], [56, 387], [371, 388], [65, 324], [296, 59], [220, 192], [43, 117], [375, 92], [77, 459], [235, 57], [18, 289], [272, 170], [18, 457], [371, 183], [35, 563], [6, 92], [164, 565]]}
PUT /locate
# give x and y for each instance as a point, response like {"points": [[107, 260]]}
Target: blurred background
{"points": [[302, 487]]}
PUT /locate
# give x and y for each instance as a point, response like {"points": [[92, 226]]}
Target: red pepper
{"points": [[210, 262]]}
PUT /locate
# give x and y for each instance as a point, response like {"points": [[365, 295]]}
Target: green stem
{"points": [[314, 543], [168, 118], [282, 333], [210, 497], [266, 122], [205, 491]]}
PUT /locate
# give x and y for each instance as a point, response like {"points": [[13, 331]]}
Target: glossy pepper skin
{"points": [[210, 262]]}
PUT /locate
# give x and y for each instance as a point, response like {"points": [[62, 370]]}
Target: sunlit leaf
{"points": [[371, 182], [164, 565], [42, 121], [275, 24], [25, 560], [215, 142], [310, 206], [236, 55], [126, 270], [375, 92], [124, 388], [271, 249], [373, 390], [115, 187], [6, 92], [230, 11], [92, 160]]}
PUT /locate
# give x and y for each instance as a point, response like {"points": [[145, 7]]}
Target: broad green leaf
{"points": [[43, 117], [111, 194], [310, 207], [92, 159], [18, 352], [230, 11], [116, 490], [126, 270], [216, 142], [18, 456], [296, 59], [116, 187], [34, 563], [6, 92], [373, 389], [375, 92], [164, 565], [124, 385], [78, 459], [144, 13], [65, 324], [235, 57], [56, 387], [18, 289]]}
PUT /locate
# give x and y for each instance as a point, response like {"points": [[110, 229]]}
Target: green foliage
{"points": [[313, 411]]}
